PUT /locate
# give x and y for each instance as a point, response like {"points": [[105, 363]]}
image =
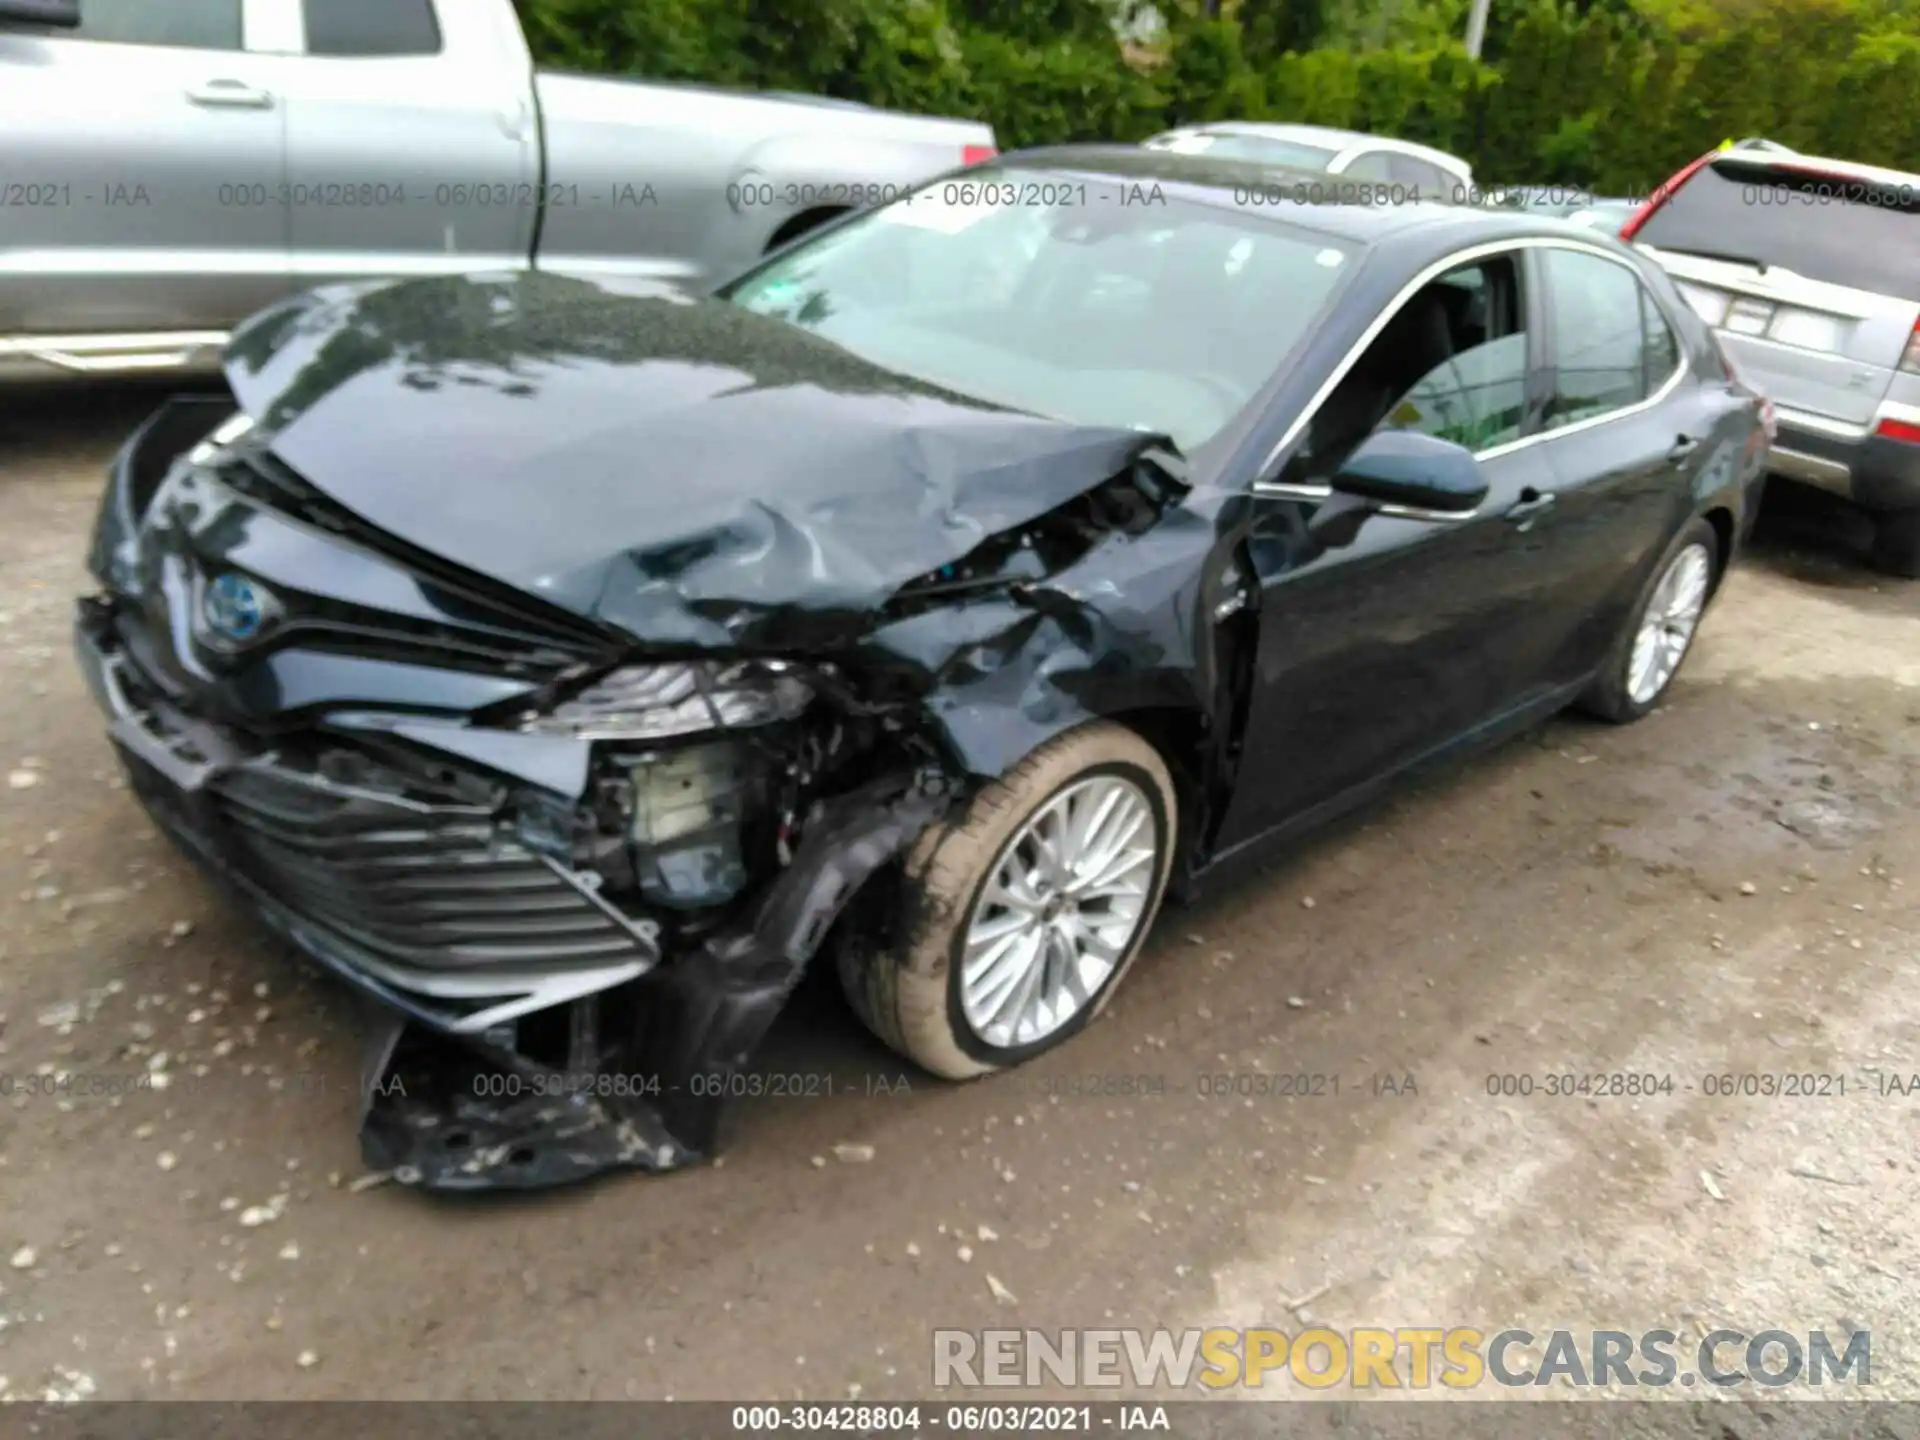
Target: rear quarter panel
{"points": [[1734, 471]]}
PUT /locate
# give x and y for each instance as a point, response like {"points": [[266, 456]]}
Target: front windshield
{"points": [[1101, 302]]}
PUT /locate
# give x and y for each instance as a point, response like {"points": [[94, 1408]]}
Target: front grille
{"points": [[488, 624], [437, 886]]}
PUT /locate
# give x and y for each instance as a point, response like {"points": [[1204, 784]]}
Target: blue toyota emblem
{"points": [[234, 608]]}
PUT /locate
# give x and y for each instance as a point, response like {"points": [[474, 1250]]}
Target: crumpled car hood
{"points": [[678, 468]]}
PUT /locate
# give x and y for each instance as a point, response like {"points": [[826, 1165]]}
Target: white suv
{"points": [[1808, 269]]}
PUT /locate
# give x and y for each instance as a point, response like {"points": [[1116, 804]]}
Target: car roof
{"points": [[1327, 137], [1307, 198]]}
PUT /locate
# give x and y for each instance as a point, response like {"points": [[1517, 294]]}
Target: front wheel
{"points": [[1017, 920], [1647, 654]]}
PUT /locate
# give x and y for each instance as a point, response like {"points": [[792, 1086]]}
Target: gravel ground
{"points": [[1727, 888]]}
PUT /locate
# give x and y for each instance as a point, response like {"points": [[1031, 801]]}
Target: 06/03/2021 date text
{"points": [[1228, 1085], [967, 1419], [719, 1085], [819, 1085], [1212, 1084], [1713, 1085]]}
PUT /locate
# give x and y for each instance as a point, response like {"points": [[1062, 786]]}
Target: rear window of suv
{"points": [[1824, 226]]}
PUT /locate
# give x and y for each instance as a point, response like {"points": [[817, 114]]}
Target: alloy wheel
{"points": [[1667, 625], [1060, 910]]}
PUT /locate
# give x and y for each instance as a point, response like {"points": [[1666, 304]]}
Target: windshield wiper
{"points": [[1723, 255]]}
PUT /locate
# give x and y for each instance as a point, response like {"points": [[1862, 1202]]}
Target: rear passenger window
{"points": [[1661, 350], [1373, 165], [1599, 340], [372, 27], [189, 24]]}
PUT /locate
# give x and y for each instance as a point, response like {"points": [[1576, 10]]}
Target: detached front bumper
{"points": [[463, 938]]}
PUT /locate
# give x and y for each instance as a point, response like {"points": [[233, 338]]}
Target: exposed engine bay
{"points": [[568, 983], [572, 962]]}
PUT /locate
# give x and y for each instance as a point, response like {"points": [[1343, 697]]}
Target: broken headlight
{"points": [[657, 702]]}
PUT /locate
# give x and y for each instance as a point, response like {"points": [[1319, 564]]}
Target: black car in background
{"points": [[567, 666]]}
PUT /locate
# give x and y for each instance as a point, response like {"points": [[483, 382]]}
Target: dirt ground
{"points": [[1731, 887]]}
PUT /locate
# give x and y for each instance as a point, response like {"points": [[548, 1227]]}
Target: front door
{"points": [[1376, 653], [141, 155], [412, 145]]}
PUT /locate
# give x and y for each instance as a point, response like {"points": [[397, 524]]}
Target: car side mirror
{"points": [[63, 13], [1404, 474]]}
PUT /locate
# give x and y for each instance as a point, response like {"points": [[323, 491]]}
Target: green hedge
{"points": [[1612, 97]]}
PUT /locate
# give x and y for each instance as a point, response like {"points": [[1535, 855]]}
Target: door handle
{"points": [[230, 95], [1682, 448], [1531, 505]]}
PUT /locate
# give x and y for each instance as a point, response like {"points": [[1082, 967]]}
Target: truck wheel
{"points": [[1896, 543], [1017, 919], [1647, 654]]}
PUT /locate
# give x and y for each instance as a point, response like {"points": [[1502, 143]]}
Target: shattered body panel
{"points": [[953, 583]]}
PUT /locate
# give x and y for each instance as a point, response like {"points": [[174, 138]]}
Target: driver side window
{"points": [[1476, 398], [1452, 363]]}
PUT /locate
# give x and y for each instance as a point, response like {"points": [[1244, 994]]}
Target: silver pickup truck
{"points": [[170, 166]]}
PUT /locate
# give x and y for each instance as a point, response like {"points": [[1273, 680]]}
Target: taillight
{"points": [[978, 154], [1904, 430], [1910, 362], [1663, 194]]}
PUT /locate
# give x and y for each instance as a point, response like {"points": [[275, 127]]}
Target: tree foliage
{"points": [[1615, 94]]}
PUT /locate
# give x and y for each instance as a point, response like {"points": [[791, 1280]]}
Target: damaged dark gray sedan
{"points": [[568, 667]]}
